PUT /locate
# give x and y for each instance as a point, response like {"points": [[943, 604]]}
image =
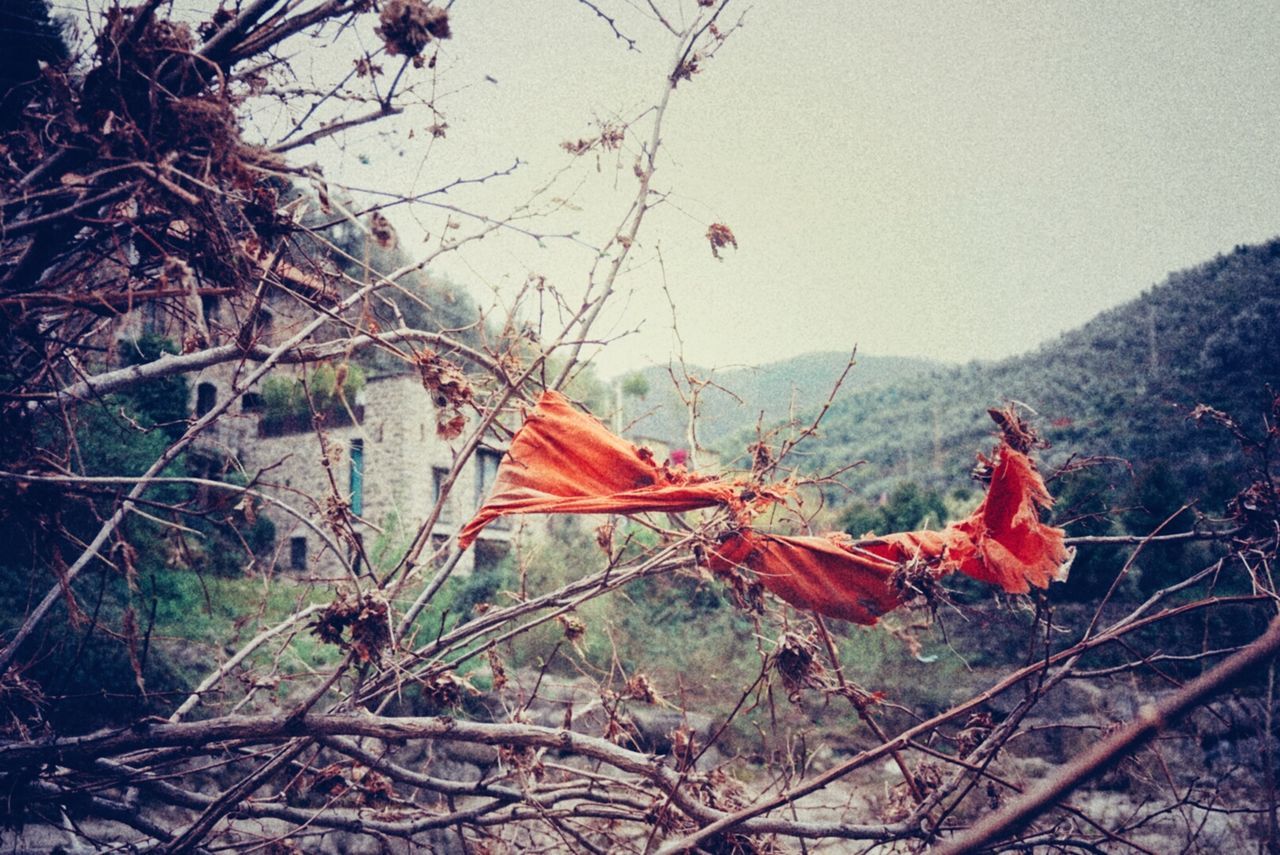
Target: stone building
{"points": [[381, 456], [379, 453]]}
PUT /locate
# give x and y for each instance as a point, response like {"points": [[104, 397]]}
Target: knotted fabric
{"points": [[1002, 542], [564, 461]]}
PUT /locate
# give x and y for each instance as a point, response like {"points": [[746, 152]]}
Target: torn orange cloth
{"points": [[814, 573], [564, 461], [1010, 546], [1002, 542]]}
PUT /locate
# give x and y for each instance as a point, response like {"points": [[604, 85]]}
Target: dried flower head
{"points": [[796, 660], [574, 628], [1017, 433], [408, 26], [639, 688], [363, 617]]}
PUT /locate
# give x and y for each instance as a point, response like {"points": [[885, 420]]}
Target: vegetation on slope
{"points": [[1122, 385]]}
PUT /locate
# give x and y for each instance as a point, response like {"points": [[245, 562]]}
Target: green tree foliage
{"points": [[1121, 385], [289, 401], [635, 385], [908, 507], [1086, 499], [163, 402], [422, 300], [149, 577]]}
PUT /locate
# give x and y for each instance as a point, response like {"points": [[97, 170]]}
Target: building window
{"points": [[209, 305], [252, 402], [206, 399], [439, 475], [487, 461], [486, 471], [357, 477], [297, 553]]}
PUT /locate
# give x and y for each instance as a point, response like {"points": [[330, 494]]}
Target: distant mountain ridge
{"points": [[1121, 385], [768, 392]]}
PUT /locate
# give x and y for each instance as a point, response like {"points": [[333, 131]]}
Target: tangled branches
{"points": [[289, 652]]}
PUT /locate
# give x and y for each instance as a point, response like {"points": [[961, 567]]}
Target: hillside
{"points": [[768, 391], [1121, 385]]}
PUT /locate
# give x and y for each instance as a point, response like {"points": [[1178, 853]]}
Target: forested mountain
{"points": [[1122, 385], [1120, 388]]}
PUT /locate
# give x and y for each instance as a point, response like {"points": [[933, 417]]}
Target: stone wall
{"points": [[403, 462]]}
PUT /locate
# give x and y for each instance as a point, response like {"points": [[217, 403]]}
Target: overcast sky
{"points": [[950, 180]]}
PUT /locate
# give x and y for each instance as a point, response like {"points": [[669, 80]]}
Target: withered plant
{"points": [[131, 188]]}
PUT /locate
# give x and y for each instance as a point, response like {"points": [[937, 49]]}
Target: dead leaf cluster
{"points": [[358, 622], [408, 26], [720, 236], [450, 391]]}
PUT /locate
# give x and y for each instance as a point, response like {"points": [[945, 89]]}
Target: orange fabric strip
{"points": [[564, 461], [1002, 542], [814, 573], [1011, 547]]}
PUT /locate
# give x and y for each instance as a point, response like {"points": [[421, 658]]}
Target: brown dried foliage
{"points": [[640, 688], [1016, 431], [358, 622], [610, 138], [124, 156], [574, 629], [450, 391], [720, 236], [796, 661], [408, 26], [141, 162]]}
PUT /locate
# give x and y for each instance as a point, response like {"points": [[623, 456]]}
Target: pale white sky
{"points": [[950, 180]]}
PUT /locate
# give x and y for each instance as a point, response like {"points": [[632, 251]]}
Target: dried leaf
{"points": [[604, 537], [363, 618], [498, 669], [720, 236], [382, 230], [130, 631]]}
